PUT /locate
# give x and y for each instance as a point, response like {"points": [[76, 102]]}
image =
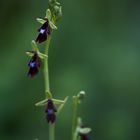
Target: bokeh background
{"points": [[96, 48]]}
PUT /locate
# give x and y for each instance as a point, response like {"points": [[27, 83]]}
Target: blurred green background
{"points": [[96, 49]]}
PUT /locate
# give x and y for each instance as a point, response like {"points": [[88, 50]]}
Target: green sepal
{"points": [[57, 102], [62, 105], [29, 53], [52, 25], [40, 20], [48, 14], [42, 103], [50, 19], [34, 46], [42, 56], [85, 130]]}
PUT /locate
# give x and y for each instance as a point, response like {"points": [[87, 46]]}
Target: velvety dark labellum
{"points": [[83, 137], [50, 110], [33, 65], [44, 31]]}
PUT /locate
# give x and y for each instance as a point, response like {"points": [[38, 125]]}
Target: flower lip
{"points": [[44, 31], [34, 65], [50, 110], [84, 137]]}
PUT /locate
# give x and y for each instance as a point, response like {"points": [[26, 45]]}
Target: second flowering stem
{"points": [[74, 119]]}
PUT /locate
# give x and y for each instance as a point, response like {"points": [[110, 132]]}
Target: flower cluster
{"points": [[34, 63], [50, 110]]}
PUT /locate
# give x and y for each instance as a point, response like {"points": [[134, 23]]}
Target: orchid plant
{"points": [[53, 106]]}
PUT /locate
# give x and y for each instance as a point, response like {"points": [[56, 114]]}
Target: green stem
{"points": [[46, 69], [47, 86], [51, 131], [74, 119]]}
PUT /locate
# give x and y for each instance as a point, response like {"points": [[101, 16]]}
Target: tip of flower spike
{"points": [[81, 94], [56, 9]]}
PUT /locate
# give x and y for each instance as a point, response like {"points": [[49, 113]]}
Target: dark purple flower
{"points": [[44, 31], [50, 110], [83, 137], [34, 65]]}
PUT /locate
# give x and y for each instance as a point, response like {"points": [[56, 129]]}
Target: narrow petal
{"points": [[41, 38]]}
